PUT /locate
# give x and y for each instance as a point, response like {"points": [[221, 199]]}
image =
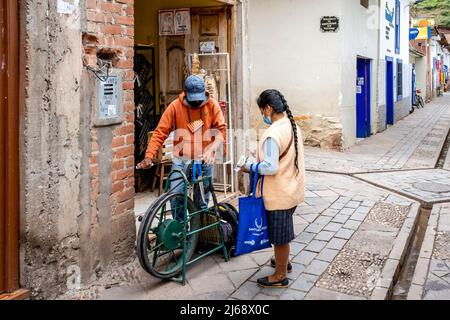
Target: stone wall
{"points": [[321, 131]]}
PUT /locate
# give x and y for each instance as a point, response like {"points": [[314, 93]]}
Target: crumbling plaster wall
{"points": [[77, 181]]}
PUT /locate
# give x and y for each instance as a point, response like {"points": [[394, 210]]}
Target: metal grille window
{"points": [[399, 80]]}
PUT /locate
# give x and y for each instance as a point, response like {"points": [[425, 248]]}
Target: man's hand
{"points": [[244, 169], [209, 156], [147, 163]]}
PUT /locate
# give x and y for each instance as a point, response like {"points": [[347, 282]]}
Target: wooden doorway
{"points": [[208, 24], [9, 146]]}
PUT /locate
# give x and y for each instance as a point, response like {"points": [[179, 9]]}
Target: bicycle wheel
{"points": [[160, 237]]}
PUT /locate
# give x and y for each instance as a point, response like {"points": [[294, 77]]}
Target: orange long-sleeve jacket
{"points": [[190, 145]]}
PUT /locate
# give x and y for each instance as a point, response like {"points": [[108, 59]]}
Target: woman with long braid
{"points": [[281, 161]]}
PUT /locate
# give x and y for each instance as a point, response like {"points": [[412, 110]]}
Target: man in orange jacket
{"points": [[199, 132]]}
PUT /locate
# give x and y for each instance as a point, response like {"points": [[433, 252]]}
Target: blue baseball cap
{"points": [[195, 89]]}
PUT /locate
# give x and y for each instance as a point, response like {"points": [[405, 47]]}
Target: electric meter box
{"points": [[109, 108]]}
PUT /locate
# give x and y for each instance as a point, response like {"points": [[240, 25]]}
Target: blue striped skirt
{"points": [[280, 226]]}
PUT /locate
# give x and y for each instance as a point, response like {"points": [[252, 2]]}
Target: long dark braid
{"points": [[294, 128], [276, 100]]}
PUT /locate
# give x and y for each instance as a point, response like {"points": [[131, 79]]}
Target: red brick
{"points": [[125, 20], [125, 206], [124, 152], [129, 31], [125, 1], [125, 64], [91, 4], [118, 186], [128, 106], [122, 174], [93, 159], [129, 11], [111, 7], [125, 195], [130, 161], [129, 117], [129, 75], [118, 142], [128, 85], [125, 42], [130, 182], [118, 164], [124, 130], [94, 170], [111, 29]]}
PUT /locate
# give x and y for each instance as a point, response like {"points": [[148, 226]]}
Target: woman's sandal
{"points": [[265, 283], [273, 264]]}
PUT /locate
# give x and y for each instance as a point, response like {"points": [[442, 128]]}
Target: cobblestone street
{"points": [[353, 230]]}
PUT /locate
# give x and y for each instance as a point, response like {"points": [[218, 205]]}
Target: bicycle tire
{"points": [[143, 241]]}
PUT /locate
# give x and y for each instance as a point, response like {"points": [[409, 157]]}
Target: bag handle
{"points": [[250, 186], [288, 147], [255, 180]]}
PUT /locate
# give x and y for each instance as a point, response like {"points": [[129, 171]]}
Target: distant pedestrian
{"points": [[281, 156]]}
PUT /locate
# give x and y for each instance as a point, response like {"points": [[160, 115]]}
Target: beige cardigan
{"points": [[285, 189]]}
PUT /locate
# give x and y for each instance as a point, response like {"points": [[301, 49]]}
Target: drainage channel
{"points": [[406, 274], [442, 157]]}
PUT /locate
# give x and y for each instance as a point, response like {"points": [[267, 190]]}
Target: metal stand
{"points": [[187, 217], [229, 161]]}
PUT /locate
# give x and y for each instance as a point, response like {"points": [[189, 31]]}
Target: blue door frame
{"points": [[363, 128], [389, 91]]}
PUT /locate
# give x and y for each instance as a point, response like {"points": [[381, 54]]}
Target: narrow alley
{"points": [[354, 231]]}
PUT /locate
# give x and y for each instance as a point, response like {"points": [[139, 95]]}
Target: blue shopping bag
{"points": [[252, 227]]}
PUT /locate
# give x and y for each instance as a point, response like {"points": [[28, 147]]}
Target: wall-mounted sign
{"points": [[329, 24], [174, 22], [166, 23], [182, 21], [419, 33], [389, 13], [208, 47], [413, 33], [423, 23]]}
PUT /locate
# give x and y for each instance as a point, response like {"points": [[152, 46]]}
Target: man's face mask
{"points": [[195, 104]]}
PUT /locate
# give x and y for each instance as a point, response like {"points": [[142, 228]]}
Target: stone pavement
{"points": [[431, 279], [413, 143], [352, 232], [354, 238], [427, 186]]}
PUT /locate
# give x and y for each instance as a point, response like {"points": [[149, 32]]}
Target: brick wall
{"points": [[111, 24]]}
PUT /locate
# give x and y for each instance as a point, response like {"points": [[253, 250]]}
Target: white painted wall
{"points": [[387, 48], [315, 71], [421, 73]]}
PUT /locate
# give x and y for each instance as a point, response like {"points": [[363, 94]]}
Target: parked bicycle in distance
{"points": [[418, 100]]}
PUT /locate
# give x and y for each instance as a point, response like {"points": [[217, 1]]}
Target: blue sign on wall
{"points": [[413, 33]]}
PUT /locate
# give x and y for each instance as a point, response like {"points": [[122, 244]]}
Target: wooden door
{"points": [[9, 146], [207, 24]]}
